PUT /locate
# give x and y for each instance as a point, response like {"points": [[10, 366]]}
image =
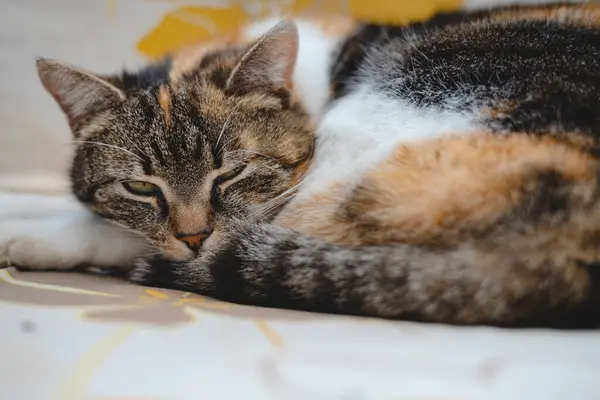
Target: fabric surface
{"points": [[70, 336]]}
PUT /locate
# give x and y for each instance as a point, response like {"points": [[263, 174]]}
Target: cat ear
{"points": [[269, 64], [78, 93]]}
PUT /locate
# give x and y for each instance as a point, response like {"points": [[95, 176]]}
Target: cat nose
{"points": [[194, 240]]}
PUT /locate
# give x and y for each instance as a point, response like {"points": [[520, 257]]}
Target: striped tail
{"points": [[269, 266]]}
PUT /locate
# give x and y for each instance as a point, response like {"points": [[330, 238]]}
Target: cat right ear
{"points": [[269, 64], [78, 93]]}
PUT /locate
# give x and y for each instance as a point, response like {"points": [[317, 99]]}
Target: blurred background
{"points": [[107, 35]]}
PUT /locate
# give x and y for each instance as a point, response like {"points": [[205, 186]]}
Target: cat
{"points": [[454, 176]]}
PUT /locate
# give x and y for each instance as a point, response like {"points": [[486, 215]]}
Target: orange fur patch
{"points": [[438, 191], [164, 99], [502, 110], [586, 14], [336, 26], [300, 172]]}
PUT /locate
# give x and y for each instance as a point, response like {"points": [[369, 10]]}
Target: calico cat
{"points": [[454, 177]]}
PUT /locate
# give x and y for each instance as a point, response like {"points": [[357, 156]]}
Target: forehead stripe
{"points": [[164, 99]]}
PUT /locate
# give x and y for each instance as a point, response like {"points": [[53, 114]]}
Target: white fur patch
{"points": [[363, 128], [45, 232], [315, 53]]}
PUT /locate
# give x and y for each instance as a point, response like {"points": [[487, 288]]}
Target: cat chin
{"points": [[177, 252]]}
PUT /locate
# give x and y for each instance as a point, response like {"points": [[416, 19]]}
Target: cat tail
{"points": [[270, 266]]}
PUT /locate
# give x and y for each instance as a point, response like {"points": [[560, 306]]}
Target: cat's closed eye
{"points": [[141, 188], [229, 175], [221, 180]]}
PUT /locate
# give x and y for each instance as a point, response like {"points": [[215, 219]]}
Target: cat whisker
{"points": [[225, 124], [135, 146], [265, 213], [255, 152], [153, 253], [266, 209], [277, 201], [220, 152], [271, 168], [107, 145], [274, 203]]}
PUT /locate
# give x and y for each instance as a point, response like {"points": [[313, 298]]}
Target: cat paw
{"points": [[30, 244], [65, 241]]}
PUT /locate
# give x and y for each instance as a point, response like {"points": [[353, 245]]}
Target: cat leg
{"points": [[55, 235], [21, 205]]}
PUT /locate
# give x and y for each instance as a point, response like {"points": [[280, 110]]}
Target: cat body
{"points": [[454, 177], [444, 174]]}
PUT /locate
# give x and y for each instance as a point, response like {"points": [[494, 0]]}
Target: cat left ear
{"points": [[79, 93], [269, 64]]}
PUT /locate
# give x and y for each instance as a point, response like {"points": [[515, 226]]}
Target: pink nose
{"points": [[194, 241]]}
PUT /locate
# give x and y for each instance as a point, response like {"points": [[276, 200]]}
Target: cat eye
{"points": [[229, 175], [141, 188]]}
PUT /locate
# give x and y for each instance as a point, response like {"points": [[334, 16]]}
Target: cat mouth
{"points": [[177, 256]]}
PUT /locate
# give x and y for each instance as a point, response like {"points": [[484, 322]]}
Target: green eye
{"points": [[141, 188]]}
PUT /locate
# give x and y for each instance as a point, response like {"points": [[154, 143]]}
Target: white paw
{"points": [[64, 241], [35, 243], [21, 205]]}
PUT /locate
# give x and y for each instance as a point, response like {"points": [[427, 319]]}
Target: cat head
{"points": [[176, 160]]}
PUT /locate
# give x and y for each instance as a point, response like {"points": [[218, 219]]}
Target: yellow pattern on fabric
{"points": [[192, 24], [8, 278], [75, 386]]}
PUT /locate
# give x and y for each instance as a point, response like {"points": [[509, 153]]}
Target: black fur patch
{"points": [[159, 273], [582, 316], [266, 289], [544, 74], [155, 74], [228, 283], [354, 50]]}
